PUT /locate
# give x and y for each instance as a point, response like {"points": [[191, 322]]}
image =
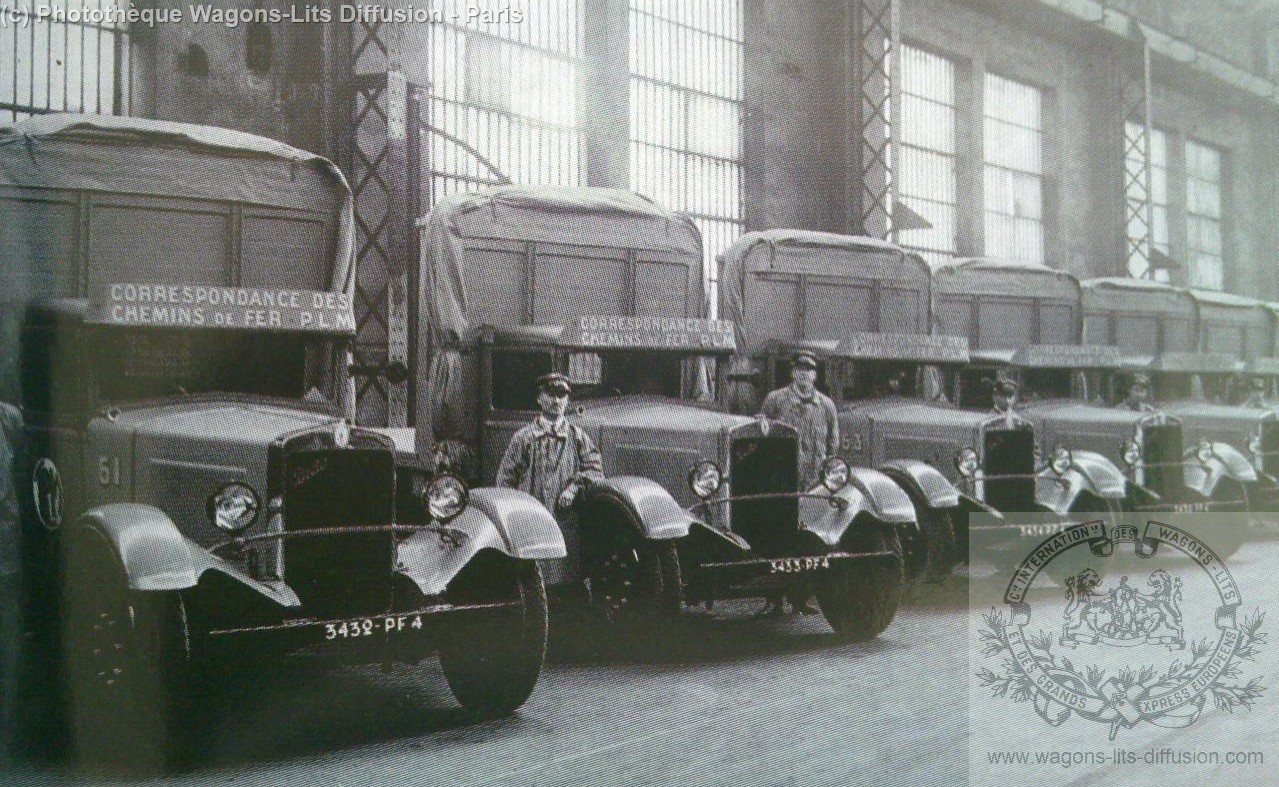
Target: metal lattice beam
{"points": [[876, 100], [1130, 74]]}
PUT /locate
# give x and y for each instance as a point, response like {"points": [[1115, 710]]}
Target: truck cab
{"points": [[697, 504], [198, 492]]}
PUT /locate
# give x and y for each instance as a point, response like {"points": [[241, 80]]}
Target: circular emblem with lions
{"points": [[1153, 644]]}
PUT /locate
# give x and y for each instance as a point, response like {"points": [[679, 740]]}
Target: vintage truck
{"points": [[865, 307], [198, 498], [1026, 320], [698, 504], [1197, 347]]}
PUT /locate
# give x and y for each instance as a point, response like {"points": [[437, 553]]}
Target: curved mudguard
{"points": [[925, 482], [156, 556], [868, 492], [1226, 462], [507, 520], [1089, 472], [646, 505]]}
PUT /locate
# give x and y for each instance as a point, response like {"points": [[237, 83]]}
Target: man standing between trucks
{"points": [[1004, 396], [812, 414], [550, 458], [1137, 397]]}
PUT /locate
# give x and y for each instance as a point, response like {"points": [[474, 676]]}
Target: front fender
{"points": [[504, 520], [527, 530], [868, 492], [645, 503], [923, 480], [1226, 462], [156, 556]]}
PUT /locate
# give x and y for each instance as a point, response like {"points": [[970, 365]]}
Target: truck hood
{"points": [[913, 413], [653, 412], [877, 431], [1216, 421], [182, 452], [1081, 426]]}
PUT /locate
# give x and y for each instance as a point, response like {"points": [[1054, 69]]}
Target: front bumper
{"points": [[753, 577]]}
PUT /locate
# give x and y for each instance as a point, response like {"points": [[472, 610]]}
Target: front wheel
{"points": [[637, 583], [861, 602], [492, 657], [129, 662]]}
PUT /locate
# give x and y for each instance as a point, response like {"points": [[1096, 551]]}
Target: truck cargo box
{"points": [[1004, 305], [1143, 318]]}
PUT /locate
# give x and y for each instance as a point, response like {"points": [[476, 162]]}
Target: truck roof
{"points": [[1234, 324], [791, 285], [1005, 304], [1145, 318], [166, 203]]}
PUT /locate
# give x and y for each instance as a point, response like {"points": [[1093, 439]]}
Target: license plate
{"points": [[1190, 508], [1039, 531], [795, 565], [360, 628]]}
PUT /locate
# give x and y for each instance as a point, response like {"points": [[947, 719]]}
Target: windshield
{"points": [[145, 363], [976, 388], [877, 379], [676, 376], [1171, 386]]}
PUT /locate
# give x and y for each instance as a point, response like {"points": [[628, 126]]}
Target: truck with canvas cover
{"points": [[1200, 352], [182, 302], [864, 307], [1026, 320], [697, 504]]}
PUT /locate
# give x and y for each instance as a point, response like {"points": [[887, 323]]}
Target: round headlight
{"points": [[233, 507], [1254, 444], [705, 478], [1203, 452], [1062, 460], [834, 473], [1131, 453], [967, 463], [445, 497]]}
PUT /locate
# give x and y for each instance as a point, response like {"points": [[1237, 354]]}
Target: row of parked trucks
{"points": [[177, 325]]}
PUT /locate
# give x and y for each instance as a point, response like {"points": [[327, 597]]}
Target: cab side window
{"points": [[514, 378], [976, 389], [50, 372]]}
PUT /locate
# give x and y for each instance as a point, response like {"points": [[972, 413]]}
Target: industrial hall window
{"points": [[686, 112], [504, 99], [926, 170], [1013, 141], [1203, 216], [63, 56], [1138, 197]]}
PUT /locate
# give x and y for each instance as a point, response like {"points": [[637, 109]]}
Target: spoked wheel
{"points": [[129, 657], [637, 582], [859, 603], [492, 657]]}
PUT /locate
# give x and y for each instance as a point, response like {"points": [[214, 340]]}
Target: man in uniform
{"points": [[1256, 396], [809, 411], [1137, 397], [812, 414], [551, 459], [1004, 396]]}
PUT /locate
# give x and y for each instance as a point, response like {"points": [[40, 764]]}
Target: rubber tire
{"points": [[659, 594], [937, 530], [860, 604], [490, 669], [1230, 541], [139, 719]]}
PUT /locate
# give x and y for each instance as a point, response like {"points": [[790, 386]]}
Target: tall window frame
{"points": [[1205, 240], [53, 64], [928, 155], [1013, 171], [687, 97], [505, 97]]}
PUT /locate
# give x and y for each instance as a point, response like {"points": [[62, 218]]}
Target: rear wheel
{"points": [[492, 658], [129, 662], [860, 603]]}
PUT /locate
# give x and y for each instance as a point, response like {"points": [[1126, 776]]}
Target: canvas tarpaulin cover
{"points": [[476, 253]]}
